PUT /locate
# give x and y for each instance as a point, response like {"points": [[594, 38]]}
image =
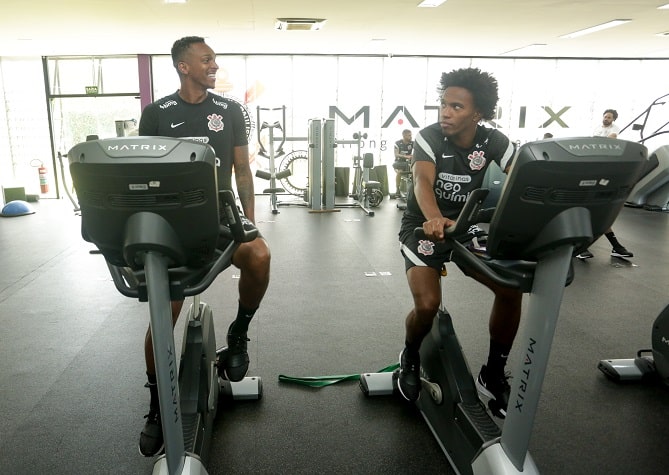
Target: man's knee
{"points": [[254, 255], [427, 306], [261, 252]]}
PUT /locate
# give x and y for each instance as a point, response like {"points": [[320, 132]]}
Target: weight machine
{"points": [[271, 175], [297, 162], [319, 194], [321, 187]]}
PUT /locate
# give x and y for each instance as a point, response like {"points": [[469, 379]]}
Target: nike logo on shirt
{"points": [[174, 126], [443, 155]]}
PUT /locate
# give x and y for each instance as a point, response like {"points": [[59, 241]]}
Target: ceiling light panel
{"points": [[593, 29], [430, 3]]}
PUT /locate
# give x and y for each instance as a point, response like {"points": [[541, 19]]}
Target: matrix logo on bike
{"points": [[526, 374], [173, 382], [137, 147]]}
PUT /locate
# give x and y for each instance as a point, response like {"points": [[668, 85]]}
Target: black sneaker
{"points": [[237, 358], [496, 388], [151, 439], [585, 255], [409, 377], [620, 251]]}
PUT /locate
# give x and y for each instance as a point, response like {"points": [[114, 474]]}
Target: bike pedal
{"points": [[221, 357], [496, 410], [433, 389]]}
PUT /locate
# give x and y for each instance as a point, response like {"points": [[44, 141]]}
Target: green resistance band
{"points": [[322, 381]]}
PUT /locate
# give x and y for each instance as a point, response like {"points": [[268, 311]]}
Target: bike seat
{"points": [[372, 185]]}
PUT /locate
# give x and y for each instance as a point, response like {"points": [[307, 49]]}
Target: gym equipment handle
{"points": [[470, 259], [235, 230], [471, 214]]}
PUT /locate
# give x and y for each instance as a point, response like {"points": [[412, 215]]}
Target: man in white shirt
{"points": [[611, 130], [608, 127]]}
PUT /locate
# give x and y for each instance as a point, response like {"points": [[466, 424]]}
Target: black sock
{"points": [[153, 391], [241, 323], [612, 239], [497, 357]]}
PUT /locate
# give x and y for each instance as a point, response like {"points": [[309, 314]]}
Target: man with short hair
{"points": [[193, 111], [403, 152], [609, 129]]}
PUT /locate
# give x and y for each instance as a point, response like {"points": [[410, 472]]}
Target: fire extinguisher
{"points": [[43, 181], [43, 176]]}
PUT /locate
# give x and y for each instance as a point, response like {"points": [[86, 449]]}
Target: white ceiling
{"points": [[458, 27]]}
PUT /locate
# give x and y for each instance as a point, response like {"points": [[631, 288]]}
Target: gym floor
{"points": [[72, 371]]}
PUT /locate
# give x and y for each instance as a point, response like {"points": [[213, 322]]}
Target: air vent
{"points": [[570, 196], [161, 200], [144, 201], [193, 197], [533, 193], [92, 198], [299, 24]]}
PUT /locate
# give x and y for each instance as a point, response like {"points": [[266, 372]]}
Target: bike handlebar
{"points": [[471, 214], [234, 230]]}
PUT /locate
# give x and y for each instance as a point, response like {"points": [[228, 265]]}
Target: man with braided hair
{"points": [[449, 162]]}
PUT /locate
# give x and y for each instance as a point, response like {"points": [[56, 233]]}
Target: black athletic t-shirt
{"points": [[217, 118], [404, 148], [459, 171]]}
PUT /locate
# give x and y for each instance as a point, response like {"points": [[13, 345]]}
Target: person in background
{"points": [[609, 129], [449, 161], [403, 153], [193, 111]]}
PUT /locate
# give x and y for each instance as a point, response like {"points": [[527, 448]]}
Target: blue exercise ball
{"points": [[16, 208]]}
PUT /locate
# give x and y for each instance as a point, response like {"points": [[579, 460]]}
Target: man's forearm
{"points": [[246, 194]]}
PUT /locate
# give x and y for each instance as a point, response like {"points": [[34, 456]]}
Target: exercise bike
{"points": [[559, 196], [366, 192], [650, 364], [403, 169], [651, 192], [151, 206]]}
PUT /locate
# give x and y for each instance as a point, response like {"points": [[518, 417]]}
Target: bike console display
{"points": [[174, 179], [557, 189]]}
